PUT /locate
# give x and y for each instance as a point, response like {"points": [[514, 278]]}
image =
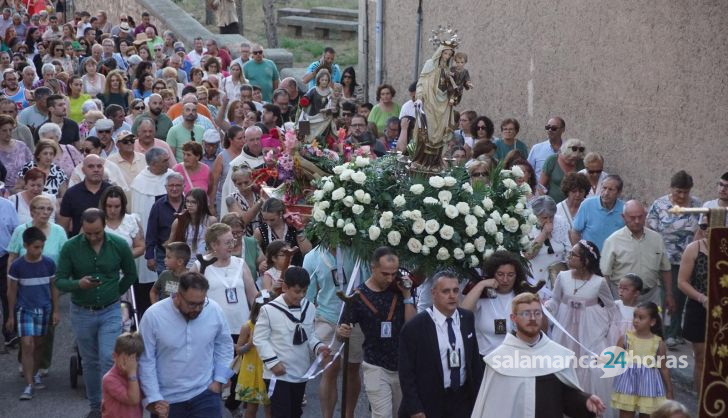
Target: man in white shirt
{"points": [[6, 21], [244, 54], [408, 108], [720, 202], [555, 128], [195, 56]]}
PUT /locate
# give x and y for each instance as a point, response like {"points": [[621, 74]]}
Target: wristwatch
{"points": [[409, 301]]}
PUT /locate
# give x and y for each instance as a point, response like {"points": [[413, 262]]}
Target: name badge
{"points": [[453, 357], [386, 330], [500, 326], [171, 287], [231, 294]]}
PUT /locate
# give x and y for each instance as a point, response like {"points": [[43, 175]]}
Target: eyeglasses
{"points": [[238, 233], [257, 52], [103, 131], [594, 171], [482, 127], [139, 108], [530, 314], [502, 275], [87, 150], [126, 141], [577, 149], [722, 185], [194, 305], [552, 128], [479, 174], [358, 125]]}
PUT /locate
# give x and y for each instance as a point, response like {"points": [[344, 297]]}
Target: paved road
{"points": [[59, 400]]}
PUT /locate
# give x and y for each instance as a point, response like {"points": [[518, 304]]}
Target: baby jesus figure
{"points": [[460, 76]]}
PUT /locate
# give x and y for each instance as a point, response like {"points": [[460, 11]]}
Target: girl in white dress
{"points": [[630, 287], [191, 224], [277, 261], [582, 303]]}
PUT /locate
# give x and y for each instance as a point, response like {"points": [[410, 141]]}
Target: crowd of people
{"points": [[127, 162]]}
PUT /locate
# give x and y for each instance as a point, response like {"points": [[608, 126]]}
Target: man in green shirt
{"points": [[88, 268], [161, 121], [262, 72]]}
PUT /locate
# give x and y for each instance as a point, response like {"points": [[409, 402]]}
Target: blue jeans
{"points": [[96, 333], [207, 404]]}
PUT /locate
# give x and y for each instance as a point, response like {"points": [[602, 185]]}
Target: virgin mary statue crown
{"points": [[445, 36]]}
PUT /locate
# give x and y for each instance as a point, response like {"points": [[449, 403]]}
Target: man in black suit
{"points": [[439, 365]]}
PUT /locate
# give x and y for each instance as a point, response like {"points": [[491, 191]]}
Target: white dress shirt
{"points": [[443, 340]]}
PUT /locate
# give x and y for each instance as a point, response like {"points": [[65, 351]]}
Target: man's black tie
{"points": [[454, 372]]}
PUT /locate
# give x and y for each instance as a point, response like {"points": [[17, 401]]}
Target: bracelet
{"points": [[409, 301], [133, 378]]}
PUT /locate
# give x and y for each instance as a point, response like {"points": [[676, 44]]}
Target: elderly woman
{"points": [[136, 109], [385, 108], [93, 82], [68, 156], [575, 187], [34, 180], [594, 171], [246, 246], [13, 154], [677, 232], [490, 299], [126, 225], [41, 209], [275, 227], [244, 200], [479, 171], [90, 116], [56, 180], [568, 160], [231, 283], [196, 174], [549, 240]]}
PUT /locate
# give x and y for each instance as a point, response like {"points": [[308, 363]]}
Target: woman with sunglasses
{"points": [[112, 172], [352, 92], [137, 108], [677, 232], [583, 304], [594, 171], [570, 159], [76, 98]]}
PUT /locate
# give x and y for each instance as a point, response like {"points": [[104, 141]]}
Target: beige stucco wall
{"points": [[645, 83]]}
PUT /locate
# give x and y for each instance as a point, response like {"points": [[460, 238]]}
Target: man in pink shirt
{"points": [[146, 141]]}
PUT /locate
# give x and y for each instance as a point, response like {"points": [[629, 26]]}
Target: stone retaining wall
{"points": [[168, 16]]}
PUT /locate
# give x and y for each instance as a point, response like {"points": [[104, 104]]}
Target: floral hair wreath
{"points": [[584, 243]]}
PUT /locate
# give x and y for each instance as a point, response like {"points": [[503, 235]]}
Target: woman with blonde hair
{"points": [[115, 91], [570, 159], [231, 84]]}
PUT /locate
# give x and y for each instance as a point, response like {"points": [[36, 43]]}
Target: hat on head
{"points": [[211, 136], [180, 49], [134, 59], [104, 124], [124, 135], [124, 26], [141, 38]]}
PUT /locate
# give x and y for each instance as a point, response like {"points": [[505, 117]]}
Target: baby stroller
{"points": [[129, 323]]}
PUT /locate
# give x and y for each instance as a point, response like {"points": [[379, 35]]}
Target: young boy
{"points": [[32, 302], [176, 259], [120, 386], [284, 337]]}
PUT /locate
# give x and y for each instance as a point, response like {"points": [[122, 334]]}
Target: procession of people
{"points": [[131, 166]]}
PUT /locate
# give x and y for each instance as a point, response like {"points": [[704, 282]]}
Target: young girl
{"points": [[642, 387], [276, 257], [244, 200], [251, 388], [630, 288], [191, 224]]}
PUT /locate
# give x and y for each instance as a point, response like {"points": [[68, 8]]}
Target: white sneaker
{"points": [[671, 342], [37, 382], [27, 393]]}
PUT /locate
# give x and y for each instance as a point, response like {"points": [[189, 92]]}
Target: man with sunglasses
{"points": [[103, 128], [190, 329], [555, 128], [262, 72], [548, 388], [130, 162]]}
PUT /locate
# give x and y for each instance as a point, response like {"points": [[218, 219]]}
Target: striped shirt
{"points": [[34, 280]]}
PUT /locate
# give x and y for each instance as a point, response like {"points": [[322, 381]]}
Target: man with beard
{"points": [[186, 131], [162, 122], [58, 114], [251, 156], [360, 136], [546, 388], [14, 90], [89, 268], [190, 329]]}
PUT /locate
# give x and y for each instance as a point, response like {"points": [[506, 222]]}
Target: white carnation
{"points": [[348, 201], [415, 215], [329, 221], [447, 232], [338, 194], [490, 227], [495, 216], [458, 254], [385, 223], [346, 174], [328, 186], [429, 200], [517, 171], [444, 196], [418, 226], [443, 254], [499, 237], [324, 204], [487, 203], [432, 226], [471, 220], [471, 230], [519, 208], [388, 214], [451, 211], [399, 201], [361, 161], [488, 253], [512, 225], [469, 248], [319, 215], [425, 250], [501, 248], [350, 229], [532, 219], [480, 244], [463, 208], [526, 228], [359, 177], [524, 241], [467, 188], [436, 182], [367, 199], [474, 261], [374, 232], [417, 189], [339, 169], [414, 245], [510, 183], [525, 188], [478, 211], [450, 181], [357, 209], [430, 241], [318, 195], [359, 195], [393, 237], [340, 223]]}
